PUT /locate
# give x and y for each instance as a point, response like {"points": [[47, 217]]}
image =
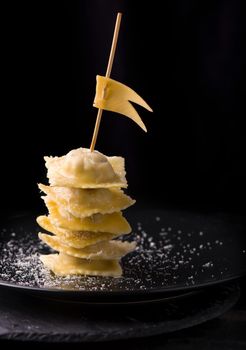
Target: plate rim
{"points": [[123, 293]]}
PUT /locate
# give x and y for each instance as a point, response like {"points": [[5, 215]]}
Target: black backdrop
{"points": [[186, 60]]}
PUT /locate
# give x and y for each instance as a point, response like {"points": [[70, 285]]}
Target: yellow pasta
{"points": [[115, 96], [112, 223], [107, 250], [75, 239], [81, 168], [86, 202], [63, 265]]}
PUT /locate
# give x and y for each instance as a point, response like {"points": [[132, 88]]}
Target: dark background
{"points": [[187, 61]]}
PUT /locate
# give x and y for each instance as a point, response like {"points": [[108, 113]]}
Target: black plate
{"points": [[177, 252]]}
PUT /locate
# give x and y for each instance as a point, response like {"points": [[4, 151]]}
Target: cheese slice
{"points": [[81, 168], [86, 202], [64, 265], [107, 250], [112, 223], [75, 239], [114, 96]]}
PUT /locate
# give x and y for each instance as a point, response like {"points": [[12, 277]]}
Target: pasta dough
{"points": [[75, 239], [115, 96], [63, 265], [112, 223], [81, 168], [86, 202], [107, 250]]}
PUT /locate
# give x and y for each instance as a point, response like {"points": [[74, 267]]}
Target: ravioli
{"points": [[75, 239], [86, 202], [64, 265], [81, 168], [112, 223], [107, 250]]}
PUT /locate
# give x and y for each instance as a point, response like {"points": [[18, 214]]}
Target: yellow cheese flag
{"points": [[114, 96]]}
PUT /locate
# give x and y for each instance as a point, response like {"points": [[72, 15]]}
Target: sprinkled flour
{"points": [[164, 258]]}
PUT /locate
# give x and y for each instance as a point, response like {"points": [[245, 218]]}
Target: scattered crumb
{"points": [[209, 264]]}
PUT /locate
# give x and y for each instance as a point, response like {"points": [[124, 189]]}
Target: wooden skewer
{"points": [[108, 72]]}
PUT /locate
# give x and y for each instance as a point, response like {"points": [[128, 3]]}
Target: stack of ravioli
{"points": [[85, 202]]}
